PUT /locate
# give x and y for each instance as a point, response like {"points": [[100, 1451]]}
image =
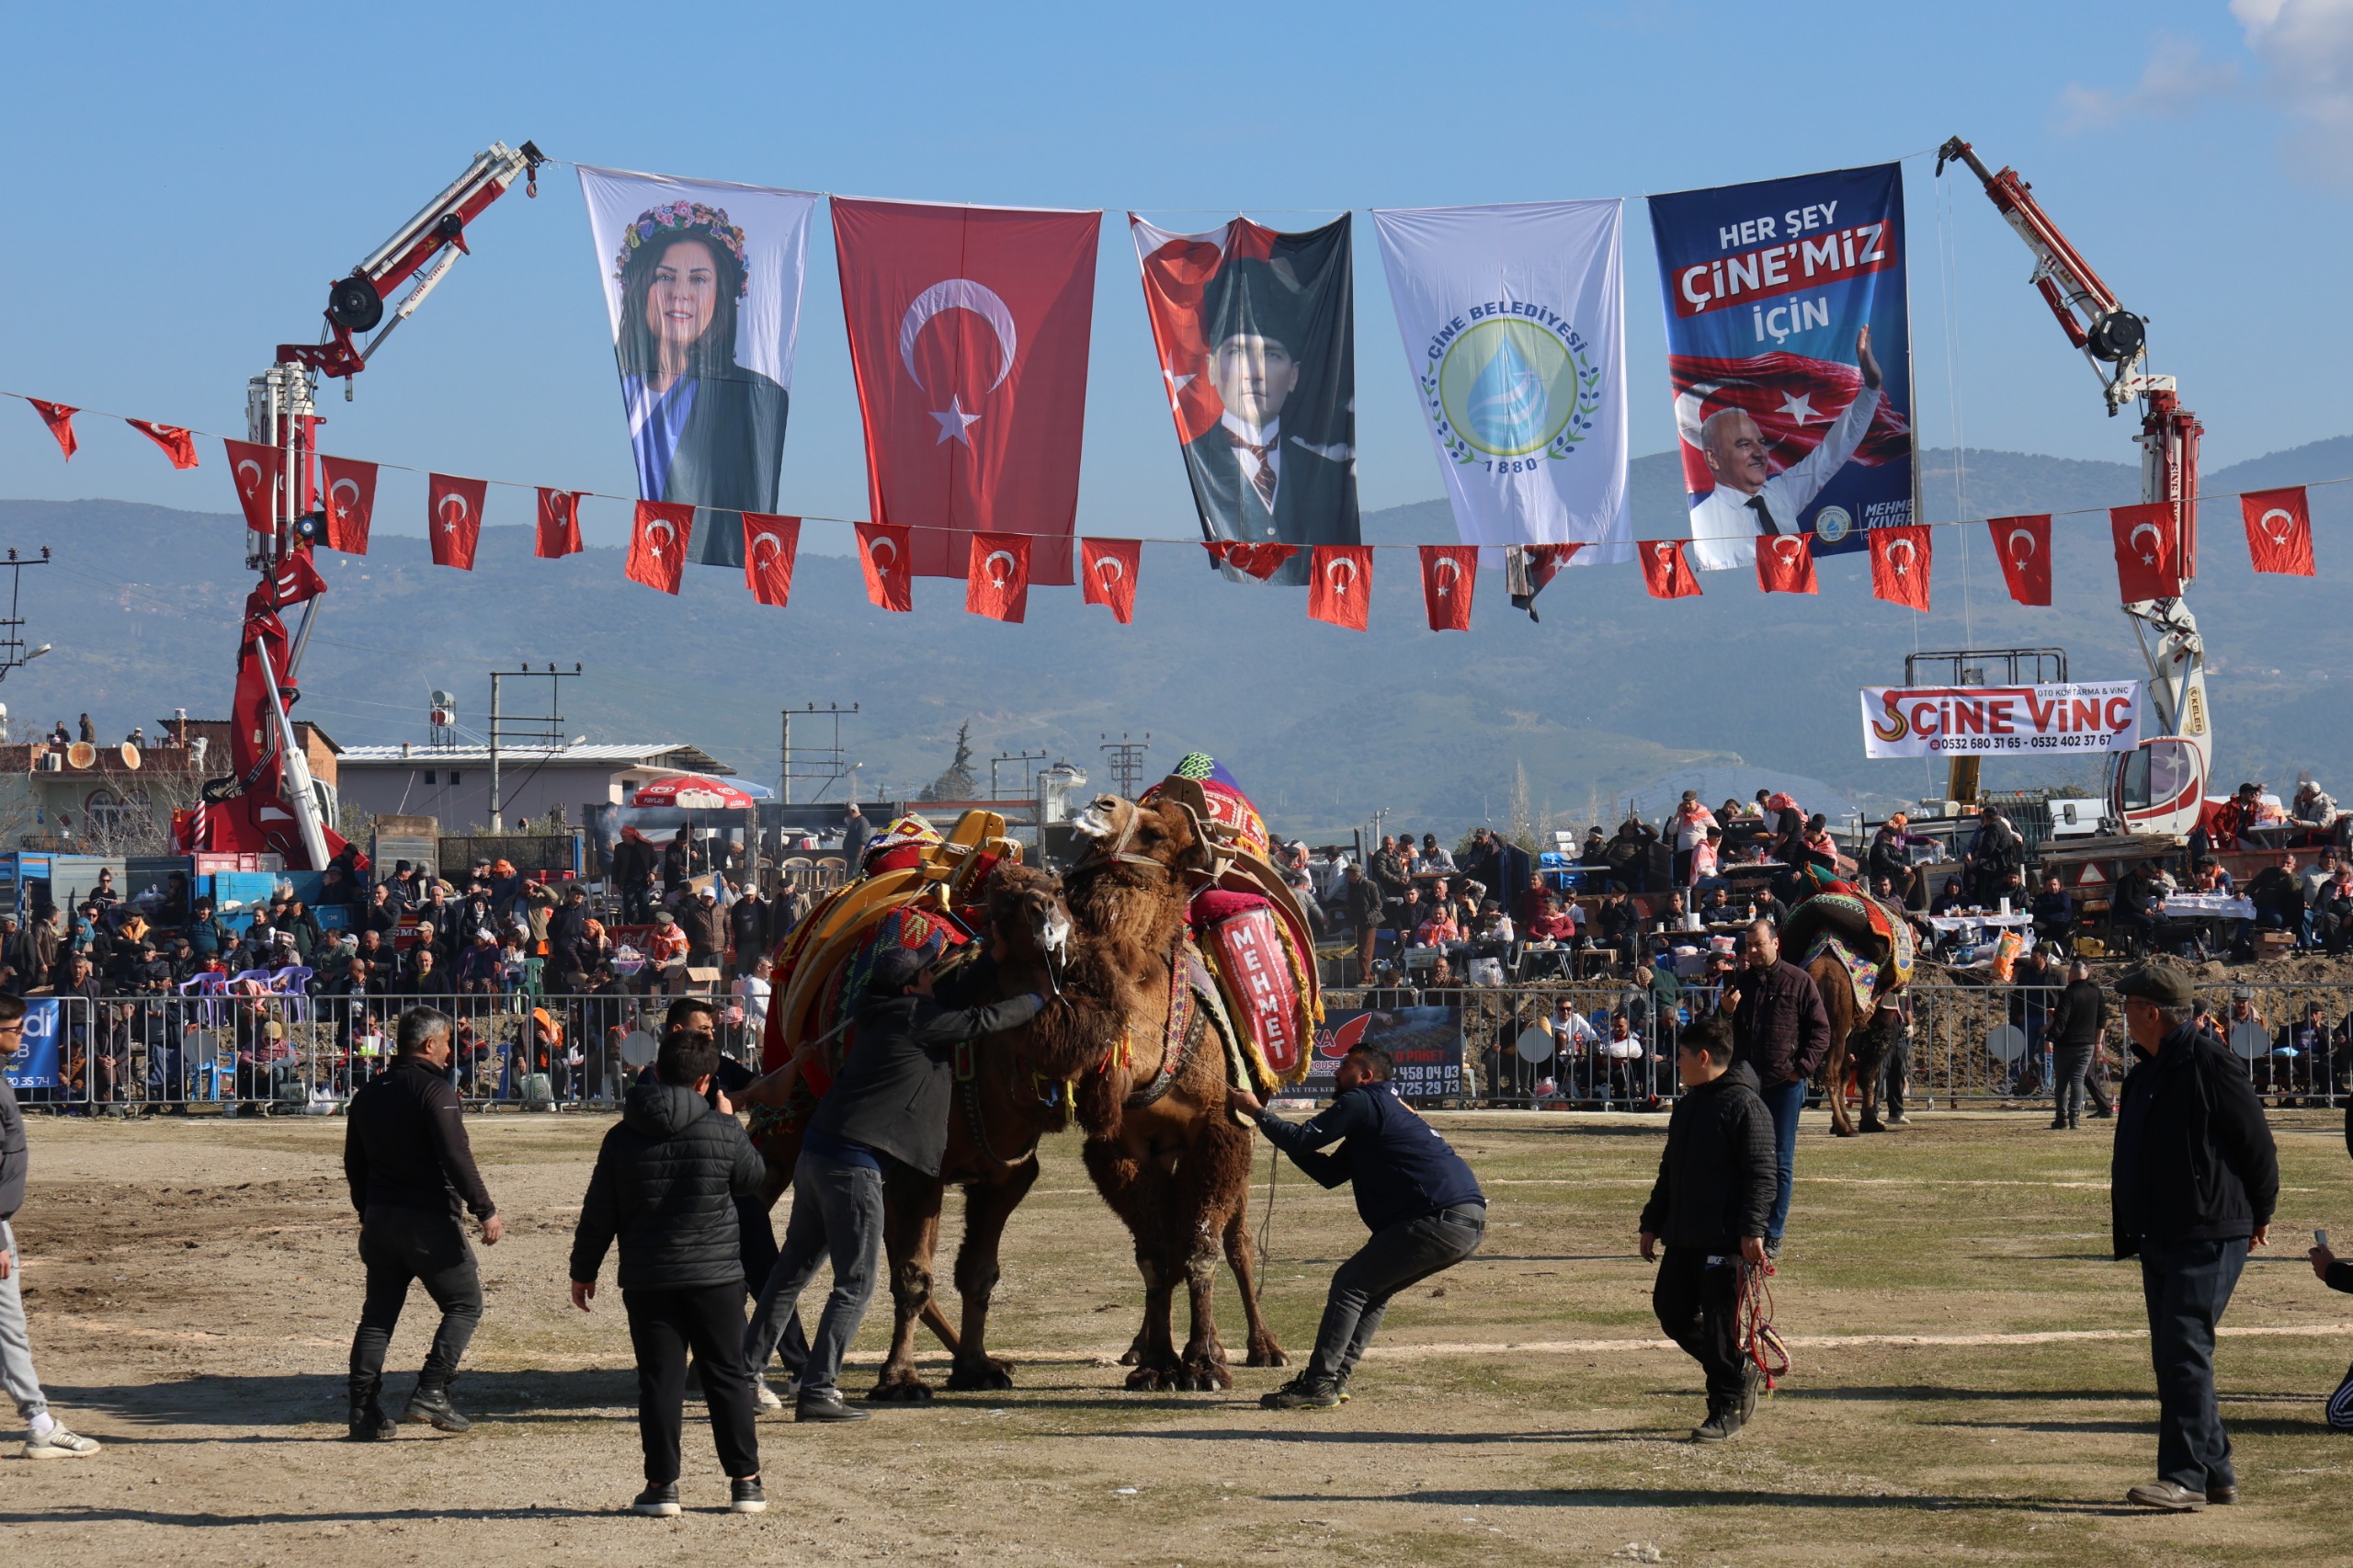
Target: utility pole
{"points": [[822, 765], [12, 630], [1029, 772], [1125, 760], [547, 733]]}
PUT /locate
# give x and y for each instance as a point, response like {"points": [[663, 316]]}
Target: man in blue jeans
{"points": [[2193, 1181], [1781, 1031], [1414, 1193], [890, 1102]]}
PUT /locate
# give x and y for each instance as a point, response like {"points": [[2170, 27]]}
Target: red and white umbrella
{"points": [[693, 792]]}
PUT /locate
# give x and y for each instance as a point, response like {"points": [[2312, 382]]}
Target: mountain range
{"points": [[1605, 698]]}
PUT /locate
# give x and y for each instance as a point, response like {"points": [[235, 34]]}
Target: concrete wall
{"points": [[529, 789]]}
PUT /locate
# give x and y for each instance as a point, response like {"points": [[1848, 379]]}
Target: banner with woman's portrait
{"points": [[1257, 337], [702, 283]]}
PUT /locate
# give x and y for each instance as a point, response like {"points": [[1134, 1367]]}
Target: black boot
{"points": [[369, 1422], [430, 1406]]}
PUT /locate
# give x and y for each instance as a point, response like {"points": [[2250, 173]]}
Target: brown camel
{"points": [[1861, 1045]]}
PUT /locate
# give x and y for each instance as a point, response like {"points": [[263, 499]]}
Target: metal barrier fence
{"points": [[291, 1054]]}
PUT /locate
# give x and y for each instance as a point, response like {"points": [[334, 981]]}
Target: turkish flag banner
{"points": [[2280, 530], [178, 444], [1785, 565], [657, 543], [996, 579], [453, 519], [1901, 558], [351, 503], [1108, 568], [2146, 568], [2023, 546], [254, 469], [557, 527], [968, 334], [1261, 561], [771, 546], [59, 418], [295, 580], [1666, 568], [882, 552], [1448, 573], [1339, 584]]}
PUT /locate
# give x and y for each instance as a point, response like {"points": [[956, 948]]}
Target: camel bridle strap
{"points": [[1178, 1035]]}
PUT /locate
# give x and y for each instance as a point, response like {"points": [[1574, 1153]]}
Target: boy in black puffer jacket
{"points": [[665, 1185], [1714, 1192]]}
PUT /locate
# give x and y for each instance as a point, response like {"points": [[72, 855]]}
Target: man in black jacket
{"points": [[667, 1182], [1781, 1030], [407, 1163], [1714, 1190], [2077, 1022], [890, 1102], [1414, 1193], [2193, 1183], [1362, 905]]}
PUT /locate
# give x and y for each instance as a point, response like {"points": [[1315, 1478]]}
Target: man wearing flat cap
{"points": [[2193, 1183]]}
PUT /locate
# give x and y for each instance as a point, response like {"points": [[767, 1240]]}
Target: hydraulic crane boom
{"points": [[2160, 786]]}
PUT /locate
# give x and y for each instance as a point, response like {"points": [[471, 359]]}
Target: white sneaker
{"points": [[765, 1395], [58, 1443]]}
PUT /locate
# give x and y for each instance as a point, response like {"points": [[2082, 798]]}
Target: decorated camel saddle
{"points": [[1249, 934], [1871, 939], [916, 887]]}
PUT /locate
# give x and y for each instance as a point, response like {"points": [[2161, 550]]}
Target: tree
{"points": [[957, 783]]}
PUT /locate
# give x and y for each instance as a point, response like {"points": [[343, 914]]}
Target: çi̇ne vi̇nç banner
{"points": [[1789, 345], [2027, 721]]}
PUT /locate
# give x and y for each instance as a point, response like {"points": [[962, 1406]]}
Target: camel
{"points": [[1857, 1043]]}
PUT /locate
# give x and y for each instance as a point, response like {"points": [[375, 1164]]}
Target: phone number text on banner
{"points": [[1933, 721]]}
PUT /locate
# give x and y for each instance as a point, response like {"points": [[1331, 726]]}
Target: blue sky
{"points": [[184, 181]]}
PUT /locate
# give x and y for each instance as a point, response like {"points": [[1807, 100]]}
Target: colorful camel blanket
{"points": [[1862, 973]]}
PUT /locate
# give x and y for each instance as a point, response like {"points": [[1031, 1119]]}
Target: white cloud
{"points": [[2177, 79], [2306, 50]]}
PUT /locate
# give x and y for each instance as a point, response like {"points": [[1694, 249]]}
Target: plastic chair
{"points": [[208, 987], [293, 983]]}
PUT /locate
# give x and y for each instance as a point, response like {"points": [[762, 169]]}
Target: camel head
{"points": [[1162, 834], [1025, 905]]}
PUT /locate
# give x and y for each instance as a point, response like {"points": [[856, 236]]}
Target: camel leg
{"points": [[987, 1209], [1264, 1351], [910, 1237], [1213, 1184], [1137, 1192]]}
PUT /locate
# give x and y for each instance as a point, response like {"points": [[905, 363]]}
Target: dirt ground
{"points": [[1971, 1382]]}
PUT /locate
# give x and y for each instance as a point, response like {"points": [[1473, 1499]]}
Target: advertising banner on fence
{"points": [[35, 1064], [1255, 331], [1512, 321], [702, 284], [1424, 1043], [1936, 721], [1789, 345]]}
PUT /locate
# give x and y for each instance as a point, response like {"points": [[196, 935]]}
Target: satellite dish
{"points": [[2005, 1042], [1534, 1044], [638, 1048], [441, 718], [2249, 1040], [442, 699], [81, 754], [130, 755]]}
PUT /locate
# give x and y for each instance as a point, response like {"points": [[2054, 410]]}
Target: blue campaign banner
{"points": [[35, 1064], [1789, 345], [1424, 1046]]}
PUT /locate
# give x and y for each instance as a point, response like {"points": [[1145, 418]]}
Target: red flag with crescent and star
{"points": [[1261, 561], [657, 543], [2023, 546], [254, 470], [1666, 570], [882, 552], [2280, 530], [453, 519], [556, 531], [59, 418], [295, 580], [1339, 584], [1901, 558], [1108, 568], [1450, 572], [178, 444], [2146, 568], [996, 579], [350, 503], [1785, 565], [968, 334], [771, 546]]}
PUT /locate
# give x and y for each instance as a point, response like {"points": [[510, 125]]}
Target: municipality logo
{"points": [[1508, 385]]}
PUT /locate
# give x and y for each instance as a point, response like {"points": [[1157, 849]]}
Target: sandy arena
{"points": [[1971, 1380]]}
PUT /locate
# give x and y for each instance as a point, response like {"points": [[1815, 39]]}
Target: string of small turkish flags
{"points": [[1339, 577]]}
